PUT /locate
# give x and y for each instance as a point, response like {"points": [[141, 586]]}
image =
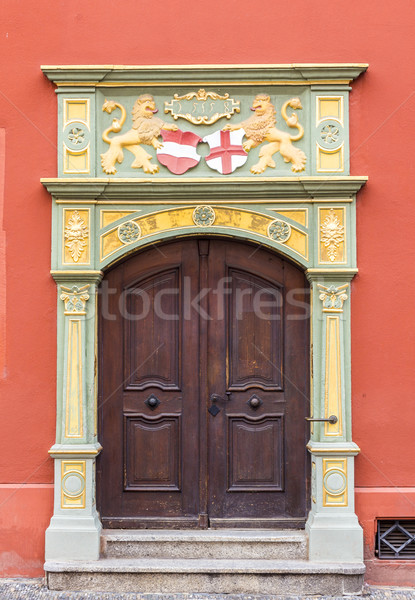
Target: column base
{"points": [[334, 538], [73, 538]]}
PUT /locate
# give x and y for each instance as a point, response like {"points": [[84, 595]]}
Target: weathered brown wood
{"points": [[166, 460], [203, 247], [173, 380], [252, 359]]}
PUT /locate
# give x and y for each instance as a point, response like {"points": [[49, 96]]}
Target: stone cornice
{"points": [[103, 75], [76, 276], [208, 189], [333, 448], [331, 273]]}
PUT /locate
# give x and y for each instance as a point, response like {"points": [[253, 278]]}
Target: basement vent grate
{"points": [[396, 539]]}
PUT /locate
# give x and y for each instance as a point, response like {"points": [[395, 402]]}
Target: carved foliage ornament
{"points": [[204, 216], [202, 107], [330, 134], [333, 297], [129, 232], [279, 231], [75, 299], [332, 234], [76, 234]]}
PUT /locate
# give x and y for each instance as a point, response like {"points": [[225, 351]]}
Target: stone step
{"points": [[208, 544], [155, 575]]}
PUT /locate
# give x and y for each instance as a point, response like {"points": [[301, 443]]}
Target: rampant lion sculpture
{"points": [[261, 127], [146, 129]]}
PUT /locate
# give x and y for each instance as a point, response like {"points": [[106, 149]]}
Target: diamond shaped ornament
{"points": [[214, 410]]}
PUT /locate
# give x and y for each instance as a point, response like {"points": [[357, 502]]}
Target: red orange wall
{"points": [[382, 146]]}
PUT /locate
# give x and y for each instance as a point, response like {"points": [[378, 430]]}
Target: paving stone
{"points": [[35, 589]]}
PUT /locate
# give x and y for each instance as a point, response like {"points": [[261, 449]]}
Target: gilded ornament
{"points": [[330, 134], [279, 231], [76, 234], [261, 128], [145, 130], [335, 482], [202, 111], [76, 136], [333, 297], [75, 299], [73, 484], [332, 234], [203, 216], [129, 232]]}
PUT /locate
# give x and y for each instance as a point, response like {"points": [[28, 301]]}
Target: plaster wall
{"points": [[382, 105]]}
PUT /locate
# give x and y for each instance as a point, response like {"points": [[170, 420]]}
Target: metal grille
{"points": [[396, 539]]}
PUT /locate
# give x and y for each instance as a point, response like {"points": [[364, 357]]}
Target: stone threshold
{"points": [[199, 565]]}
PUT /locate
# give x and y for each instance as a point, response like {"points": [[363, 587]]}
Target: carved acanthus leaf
{"points": [[76, 234], [332, 234], [75, 298], [333, 297]]}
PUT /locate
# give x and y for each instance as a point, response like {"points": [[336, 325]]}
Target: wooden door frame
{"points": [[308, 219]]}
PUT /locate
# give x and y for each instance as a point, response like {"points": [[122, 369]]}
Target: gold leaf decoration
{"points": [[206, 108], [333, 297], [76, 232], [332, 234], [74, 298]]}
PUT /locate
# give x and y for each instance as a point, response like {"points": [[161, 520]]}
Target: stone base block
{"points": [[73, 538], [335, 538]]}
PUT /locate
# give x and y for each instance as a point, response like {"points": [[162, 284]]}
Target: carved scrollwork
{"points": [[201, 111], [333, 297], [75, 299]]}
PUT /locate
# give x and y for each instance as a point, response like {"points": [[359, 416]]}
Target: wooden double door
{"points": [[204, 362]]}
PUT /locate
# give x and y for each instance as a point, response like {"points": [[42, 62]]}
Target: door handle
{"points": [[332, 420], [213, 408], [216, 398]]}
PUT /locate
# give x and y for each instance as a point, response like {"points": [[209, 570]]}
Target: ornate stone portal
{"points": [[292, 194]]}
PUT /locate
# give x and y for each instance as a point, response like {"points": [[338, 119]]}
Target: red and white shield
{"points": [[226, 152], [178, 152]]}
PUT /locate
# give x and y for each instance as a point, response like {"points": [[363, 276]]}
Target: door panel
{"points": [[255, 314], [152, 453], [149, 392], [263, 480], [255, 450], [191, 326], [152, 332]]}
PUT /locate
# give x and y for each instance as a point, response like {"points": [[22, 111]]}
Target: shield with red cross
{"points": [[226, 152]]}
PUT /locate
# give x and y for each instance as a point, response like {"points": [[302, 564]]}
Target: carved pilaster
{"points": [[333, 529], [75, 527]]}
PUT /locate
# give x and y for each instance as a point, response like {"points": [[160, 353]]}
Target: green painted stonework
{"points": [[147, 202], [242, 84]]}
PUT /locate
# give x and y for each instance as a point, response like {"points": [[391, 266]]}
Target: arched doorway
{"points": [[204, 387]]}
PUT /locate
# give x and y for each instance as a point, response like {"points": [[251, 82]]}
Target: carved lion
{"points": [[261, 128], [146, 129]]}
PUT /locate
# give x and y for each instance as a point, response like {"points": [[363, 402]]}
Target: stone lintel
{"points": [[102, 75], [207, 188]]}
